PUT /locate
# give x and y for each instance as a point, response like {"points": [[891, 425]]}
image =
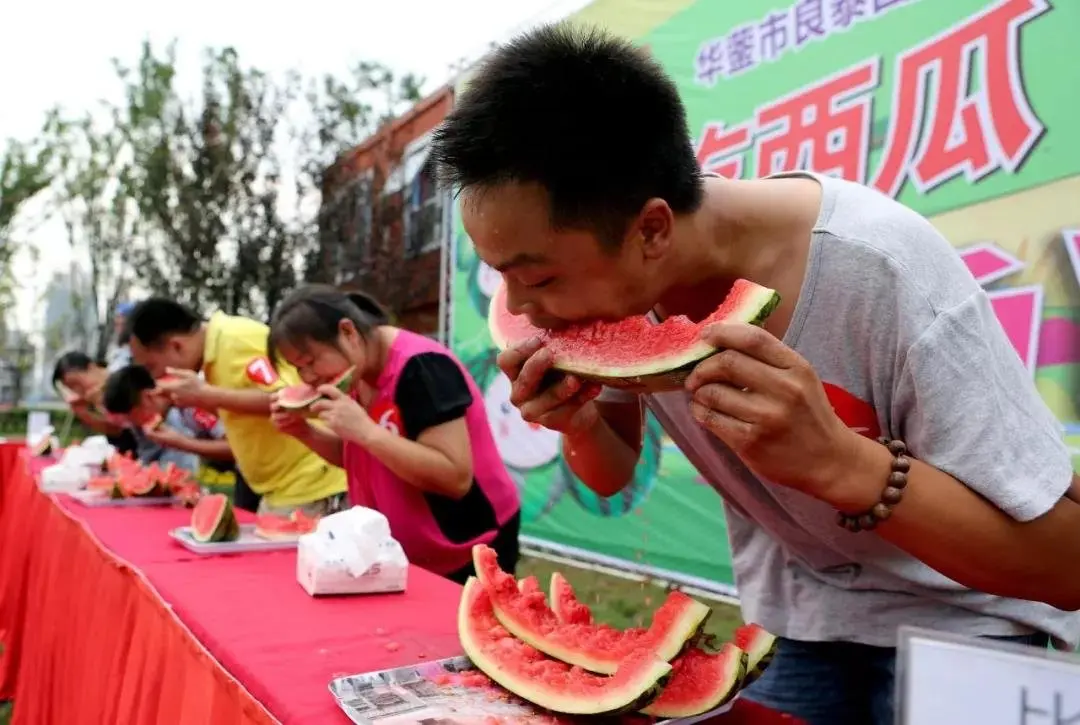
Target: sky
{"points": [[58, 52]]}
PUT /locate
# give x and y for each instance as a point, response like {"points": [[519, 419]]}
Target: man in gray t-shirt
{"points": [[602, 212]]}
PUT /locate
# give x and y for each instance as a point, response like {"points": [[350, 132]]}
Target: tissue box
{"points": [[318, 576], [64, 477]]}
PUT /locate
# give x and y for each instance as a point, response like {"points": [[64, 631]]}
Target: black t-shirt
{"points": [[431, 390]]}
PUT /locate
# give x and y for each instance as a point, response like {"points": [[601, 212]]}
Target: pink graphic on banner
{"points": [[1072, 246], [988, 263], [1059, 342], [1020, 312]]}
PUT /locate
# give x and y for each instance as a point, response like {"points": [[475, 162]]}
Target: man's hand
{"points": [[185, 389], [767, 404], [164, 436], [564, 405]]}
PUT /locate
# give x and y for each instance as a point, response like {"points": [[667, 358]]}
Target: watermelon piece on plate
{"points": [[594, 647], [275, 527], [549, 683], [699, 682], [633, 354], [214, 520]]}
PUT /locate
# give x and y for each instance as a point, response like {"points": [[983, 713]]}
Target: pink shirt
{"points": [[423, 385]]}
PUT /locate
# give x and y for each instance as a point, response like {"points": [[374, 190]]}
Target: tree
{"points": [[225, 182], [24, 173], [93, 198]]}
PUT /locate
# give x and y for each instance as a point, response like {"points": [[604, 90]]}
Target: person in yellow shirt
{"points": [[237, 381]]}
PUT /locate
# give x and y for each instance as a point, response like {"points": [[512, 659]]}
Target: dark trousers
{"points": [[506, 546]]}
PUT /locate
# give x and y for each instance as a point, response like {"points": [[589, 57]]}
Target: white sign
{"points": [[37, 423], [944, 678]]}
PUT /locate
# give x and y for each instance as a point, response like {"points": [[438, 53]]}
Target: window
{"points": [[423, 213]]}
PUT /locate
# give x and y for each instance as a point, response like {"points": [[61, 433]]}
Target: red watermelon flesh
{"points": [[634, 353], [529, 585], [565, 604], [549, 683], [699, 682], [594, 647], [298, 397], [272, 526], [758, 644]]}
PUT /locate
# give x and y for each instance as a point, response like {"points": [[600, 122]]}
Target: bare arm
{"points": [[95, 422], [250, 401], [954, 530], [604, 454], [438, 461], [325, 443]]}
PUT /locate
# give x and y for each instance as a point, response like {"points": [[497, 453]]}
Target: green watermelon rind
{"points": [[759, 649], [634, 685], [653, 375], [290, 398], [665, 643], [225, 528]]}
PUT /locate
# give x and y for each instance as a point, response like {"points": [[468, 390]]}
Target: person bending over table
{"points": [[411, 432], [603, 212], [80, 382], [131, 392], [237, 382]]}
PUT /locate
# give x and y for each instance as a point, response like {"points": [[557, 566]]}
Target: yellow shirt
{"points": [[279, 467]]}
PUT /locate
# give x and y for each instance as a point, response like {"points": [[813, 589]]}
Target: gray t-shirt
{"points": [[908, 346]]}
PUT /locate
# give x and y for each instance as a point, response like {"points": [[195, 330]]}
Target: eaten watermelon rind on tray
{"points": [[633, 354], [595, 647], [549, 683]]}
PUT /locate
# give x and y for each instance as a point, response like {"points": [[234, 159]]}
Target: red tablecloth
{"points": [[105, 619]]}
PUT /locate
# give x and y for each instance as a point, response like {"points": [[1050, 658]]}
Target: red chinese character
{"points": [[974, 133], [825, 127], [720, 150]]}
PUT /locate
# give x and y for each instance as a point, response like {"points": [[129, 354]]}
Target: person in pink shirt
{"points": [[412, 432]]}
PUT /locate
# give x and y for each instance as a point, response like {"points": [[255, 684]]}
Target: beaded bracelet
{"points": [[892, 495]]}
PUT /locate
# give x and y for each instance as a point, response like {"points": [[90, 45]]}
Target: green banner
{"points": [[964, 110]]}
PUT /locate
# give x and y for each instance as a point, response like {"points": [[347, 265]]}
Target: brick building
{"points": [[383, 222]]}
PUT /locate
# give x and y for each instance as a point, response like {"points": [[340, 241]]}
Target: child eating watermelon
{"points": [[410, 428], [132, 393], [579, 182]]}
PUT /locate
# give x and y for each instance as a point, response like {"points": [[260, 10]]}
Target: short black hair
{"points": [[70, 362], [591, 118], [314, 312], [124, 388], [156, 318]]}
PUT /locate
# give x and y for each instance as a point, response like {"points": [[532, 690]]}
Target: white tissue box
{"points": [[317, 575], [64, 478]]}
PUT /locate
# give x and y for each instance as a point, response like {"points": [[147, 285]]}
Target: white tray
{"points": [[414, 693], [248, 541], [97, 499]]}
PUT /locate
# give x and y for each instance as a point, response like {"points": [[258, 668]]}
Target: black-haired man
{"points": [[132, 393], [80, 382], [579, 183], [237, 382]]}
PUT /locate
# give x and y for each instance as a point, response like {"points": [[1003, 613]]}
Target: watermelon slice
{"points": [[299, 397], [594, 647], [274, 527], [214, 520], [699, 682], [633, 354], [141, 483], [551, 684], [565, 604], [154, 423], [759, 646], [529, 585]]}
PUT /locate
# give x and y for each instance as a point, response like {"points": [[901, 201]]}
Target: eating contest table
{"points": [[105, 619]]}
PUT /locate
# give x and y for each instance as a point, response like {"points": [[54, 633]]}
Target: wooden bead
{"points": [[892, 496], [867, 522], [901, 464], [897, 479], [897, 448], [881, 511]]}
